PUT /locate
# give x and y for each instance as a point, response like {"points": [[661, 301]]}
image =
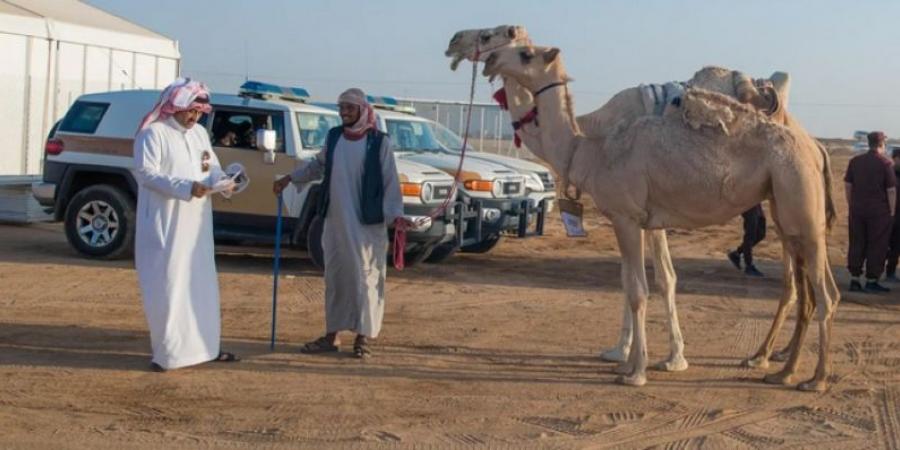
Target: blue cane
{"points": [[275, 269]]}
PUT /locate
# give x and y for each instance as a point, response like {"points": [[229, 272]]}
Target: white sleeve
{"points": [[393, 197], [147, 155], [311, 171]]}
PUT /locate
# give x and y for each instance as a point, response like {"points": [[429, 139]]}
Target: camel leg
{"points": [[634, 280], [804, 312], [827, 296], [788, 298], [619, 353], [666, 280]]}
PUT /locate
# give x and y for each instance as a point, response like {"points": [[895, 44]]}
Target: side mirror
{"points": [[265, 141]]}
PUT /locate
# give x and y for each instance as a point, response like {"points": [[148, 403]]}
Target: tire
{"points": [[484, 246], [442, 252], [416, 256], [99, 222]]}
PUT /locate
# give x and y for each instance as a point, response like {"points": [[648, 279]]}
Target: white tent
{"points": [[55, 50]]}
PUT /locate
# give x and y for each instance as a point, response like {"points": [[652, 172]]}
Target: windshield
{"points": [[448, 138], [412, 135], [314, 128]]}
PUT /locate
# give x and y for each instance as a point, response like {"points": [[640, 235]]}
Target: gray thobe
{"points": [[355, 254]]}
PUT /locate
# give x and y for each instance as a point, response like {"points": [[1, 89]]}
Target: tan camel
{"points": [[718, 176], [626, 107]]}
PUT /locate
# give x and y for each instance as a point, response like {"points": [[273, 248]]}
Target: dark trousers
{"points": [[894, 250], [754, 232], [869, 238]]}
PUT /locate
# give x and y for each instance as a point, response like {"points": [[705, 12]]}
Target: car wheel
{"points": [[416, 256], [441, 252], [486, 244], [99, 222]]}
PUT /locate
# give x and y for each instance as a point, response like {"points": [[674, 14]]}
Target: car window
{"points": [[314, 128], [83, 117], [411, 135], [237, 128]]}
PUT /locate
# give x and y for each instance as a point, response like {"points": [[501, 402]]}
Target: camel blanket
{"points": [[657, 96]]}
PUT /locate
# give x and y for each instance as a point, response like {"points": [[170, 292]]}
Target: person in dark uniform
{"points": [[754, 233], [894, 248], [871, 189]]}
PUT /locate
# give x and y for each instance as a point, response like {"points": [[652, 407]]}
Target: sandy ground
{"points": [[495, 350]]}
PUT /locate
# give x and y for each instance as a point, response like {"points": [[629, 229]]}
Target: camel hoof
{"points": [[675, 364], [779, 378], [624, 369], [759, 362], [813, 385], [614, 355], [781, 356], [632, 380]]}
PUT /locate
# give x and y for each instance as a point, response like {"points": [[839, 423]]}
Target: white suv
{"points": [[88, 181]]}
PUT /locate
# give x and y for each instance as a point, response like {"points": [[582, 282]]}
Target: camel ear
{"points": [[551, 55]]}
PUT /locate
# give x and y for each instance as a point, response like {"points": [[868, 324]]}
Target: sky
{"points": [[843, 56]]}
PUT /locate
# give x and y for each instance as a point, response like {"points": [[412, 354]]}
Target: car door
{"points": [[233, 134]]}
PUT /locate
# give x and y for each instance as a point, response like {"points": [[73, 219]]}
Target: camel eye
{"points": [[526, 56]]}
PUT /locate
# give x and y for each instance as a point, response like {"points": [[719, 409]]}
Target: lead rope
{"points": [[400, 225]]}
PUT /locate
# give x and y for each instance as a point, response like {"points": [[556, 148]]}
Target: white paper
{"points": [[574, 225]]}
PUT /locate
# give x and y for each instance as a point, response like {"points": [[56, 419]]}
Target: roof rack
{"points": [[266, 91]]}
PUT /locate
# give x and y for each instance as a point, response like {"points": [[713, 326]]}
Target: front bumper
{"points": [[435, 231], [484, 217]]}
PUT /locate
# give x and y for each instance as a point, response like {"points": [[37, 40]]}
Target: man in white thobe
{"points": [[360, 197], [174, 253]]}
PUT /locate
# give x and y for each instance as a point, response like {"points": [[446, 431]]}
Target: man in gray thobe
{"points": [[360, 196]]}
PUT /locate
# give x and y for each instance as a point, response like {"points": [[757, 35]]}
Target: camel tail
{"points": [[830, 211]]}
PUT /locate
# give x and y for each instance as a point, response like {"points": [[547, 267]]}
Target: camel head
{"points": [[532, 67], [465, 44]]}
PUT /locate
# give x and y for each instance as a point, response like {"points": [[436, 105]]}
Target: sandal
{"points": [[361, 349], [320, 345], [226, 357], [154, 367]]}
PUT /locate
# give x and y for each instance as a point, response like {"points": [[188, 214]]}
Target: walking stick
{"points": [[275, 269]]}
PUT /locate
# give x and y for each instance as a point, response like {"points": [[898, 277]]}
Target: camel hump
{"points": [[701, 108]]}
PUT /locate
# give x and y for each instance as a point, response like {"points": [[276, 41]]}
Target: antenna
{"points": [[246, 62]]}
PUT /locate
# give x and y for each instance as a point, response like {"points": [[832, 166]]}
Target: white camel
{"points": [[658, 172], [625, 107]]}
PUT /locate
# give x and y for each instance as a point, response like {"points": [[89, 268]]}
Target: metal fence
{"points": [[490, 129]]}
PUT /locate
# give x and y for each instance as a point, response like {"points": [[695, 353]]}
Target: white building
{"points": [[55, 50]]}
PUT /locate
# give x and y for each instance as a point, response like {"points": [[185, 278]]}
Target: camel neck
{"points": [[559, 133]]}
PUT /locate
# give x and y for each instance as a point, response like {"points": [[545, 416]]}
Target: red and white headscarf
{"points": [[179, 96], [366, 115]]}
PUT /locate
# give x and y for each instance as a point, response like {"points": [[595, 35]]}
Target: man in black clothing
{"points": [[754, 233], [894, 251]]}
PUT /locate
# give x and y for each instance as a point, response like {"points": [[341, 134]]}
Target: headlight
{"points": [[497, 188], [427, 192], [533, 183]]}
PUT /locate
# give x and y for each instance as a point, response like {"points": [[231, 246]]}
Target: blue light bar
{"points": [[266, 90]]}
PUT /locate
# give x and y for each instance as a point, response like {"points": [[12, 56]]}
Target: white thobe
{"points": [[174, 253], [355, 254]]}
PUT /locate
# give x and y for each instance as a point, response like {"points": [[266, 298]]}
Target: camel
{"points": [[720, 175], [625, 107]]}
